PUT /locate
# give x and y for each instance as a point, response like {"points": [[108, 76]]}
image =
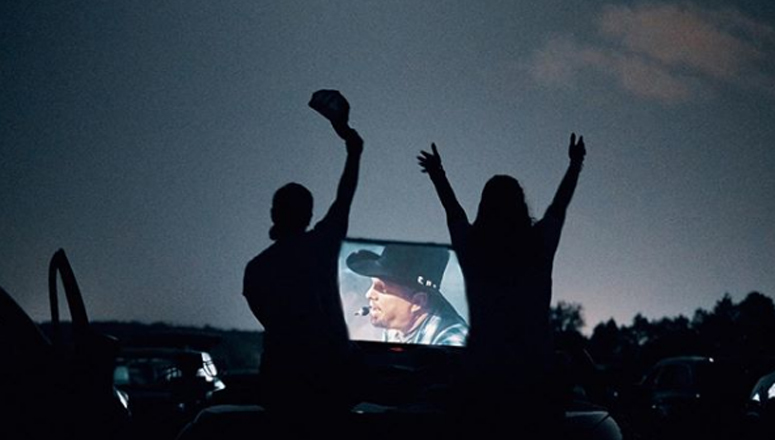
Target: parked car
{"points": [[173, 377], [404, 395], [760, 409], [763, 392], [698, 396], [166, 386], [57, 383]]}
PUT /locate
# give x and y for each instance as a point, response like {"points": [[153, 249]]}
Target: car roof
{"points": [[160, 352], [684, 360]]}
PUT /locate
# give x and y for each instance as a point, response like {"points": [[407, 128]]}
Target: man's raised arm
{"points": [[349, 180], [334, 107]]}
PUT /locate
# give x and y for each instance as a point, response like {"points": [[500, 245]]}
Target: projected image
{"points": [[402, 293]]}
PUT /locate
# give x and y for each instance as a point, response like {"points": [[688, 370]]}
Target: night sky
{"points": [[147, 138]]}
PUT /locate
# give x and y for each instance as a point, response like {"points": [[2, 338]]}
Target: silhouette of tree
{"points": [[640, 330], [605, 344], [567, 317], [669, 337], [566, 320], [737, 330], [613, 346], [756, 321]]}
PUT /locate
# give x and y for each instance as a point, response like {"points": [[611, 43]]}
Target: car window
{"points": [[672, 377], [121, 375], [145, 372]]}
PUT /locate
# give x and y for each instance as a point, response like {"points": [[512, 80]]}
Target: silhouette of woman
{"points": [[507, 259]]}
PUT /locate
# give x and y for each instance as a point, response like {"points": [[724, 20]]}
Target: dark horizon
{"points": [[585, 330]]}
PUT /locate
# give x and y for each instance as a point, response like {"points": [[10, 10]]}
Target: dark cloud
{"points": [[664, 52]]}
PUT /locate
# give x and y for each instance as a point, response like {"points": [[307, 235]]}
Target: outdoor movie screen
{"points": [[402, 292]]}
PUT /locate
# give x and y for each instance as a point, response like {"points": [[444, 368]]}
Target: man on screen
{"points": [[404, 297]]}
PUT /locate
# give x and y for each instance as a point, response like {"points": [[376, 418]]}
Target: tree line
{"points": [[743, 330]]}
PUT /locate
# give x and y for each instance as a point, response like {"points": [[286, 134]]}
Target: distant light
{"points": [[756, 397], [710, 359]]}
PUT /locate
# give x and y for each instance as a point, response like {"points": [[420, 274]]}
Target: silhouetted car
{"points": [[404, 393], [174, 378], [760, 409], [576, 377], [763, 392], [166, 386], [690, 395], [57, 384]]}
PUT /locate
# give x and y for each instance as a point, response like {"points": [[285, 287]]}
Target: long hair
{"points": [[503, 222]]}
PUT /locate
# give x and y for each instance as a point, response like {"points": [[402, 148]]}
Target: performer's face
{"points": [[392, 305]]}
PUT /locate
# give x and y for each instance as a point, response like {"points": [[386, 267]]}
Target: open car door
{"points": [[53, 388]]}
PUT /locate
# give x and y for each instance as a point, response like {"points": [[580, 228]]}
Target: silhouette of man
{"points": [[292, 289], [404, 297], [507, 260]]}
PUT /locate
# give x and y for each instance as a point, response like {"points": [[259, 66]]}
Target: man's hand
{"points": [[430, 162], [576, 150]]}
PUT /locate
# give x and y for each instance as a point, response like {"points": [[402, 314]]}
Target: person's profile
{"points": [[402, 293]]}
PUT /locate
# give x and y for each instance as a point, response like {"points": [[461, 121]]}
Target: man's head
{"points": [[291, 210], [405, 283], [396, 306]]}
